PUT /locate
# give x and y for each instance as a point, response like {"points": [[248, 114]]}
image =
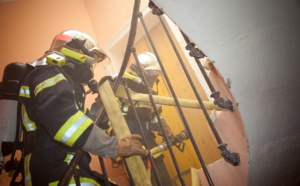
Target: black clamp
{"points": [[155, 9], [221, 102], [194, 52], [231, 157]]}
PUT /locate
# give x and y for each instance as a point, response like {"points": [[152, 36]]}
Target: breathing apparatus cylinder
{"points": [[13, 75]]}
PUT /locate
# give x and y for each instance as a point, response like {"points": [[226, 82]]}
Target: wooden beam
{"points": [[135, 164], [163, 100]]}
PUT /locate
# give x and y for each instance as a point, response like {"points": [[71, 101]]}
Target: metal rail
{"points": [[230, 157], [197, 54], [179, 109], [142, 132]]}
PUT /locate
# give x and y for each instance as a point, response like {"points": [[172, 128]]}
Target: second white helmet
{"points": [[149, 64]]}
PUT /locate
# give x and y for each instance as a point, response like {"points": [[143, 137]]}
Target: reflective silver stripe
{"points": [[28, 124], [27, 170], [68, 134], [48, 83], [72, 129], [24, 92]]}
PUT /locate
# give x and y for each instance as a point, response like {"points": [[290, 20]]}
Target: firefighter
{"points": [[53, 111], [145, 111]]}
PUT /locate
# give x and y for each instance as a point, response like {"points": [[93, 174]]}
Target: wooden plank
{"points": [[163, 100], [135, 164]]}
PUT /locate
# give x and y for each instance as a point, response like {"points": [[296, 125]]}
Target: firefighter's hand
{"points": [[166, 128], [131, 145]]}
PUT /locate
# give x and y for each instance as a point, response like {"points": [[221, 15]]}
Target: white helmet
{"points": [[75, 52], [149, 64], [73, 40], [80, 41]]}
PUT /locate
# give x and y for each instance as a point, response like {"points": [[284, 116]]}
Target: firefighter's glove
{"points": [[166, 128], [131, 145]]}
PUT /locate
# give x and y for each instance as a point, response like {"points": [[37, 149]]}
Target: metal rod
{"points": [[130, 42], [215, 132], [131, 38], [231, 157], [197, 96], [196, 53], [104, 172], [167, 80], [158, 13], [71, 168], [158, 118], [100, 114], [142, 132], [189, 47]]}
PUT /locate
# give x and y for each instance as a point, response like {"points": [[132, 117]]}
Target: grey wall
{"points": [[257, 45]]}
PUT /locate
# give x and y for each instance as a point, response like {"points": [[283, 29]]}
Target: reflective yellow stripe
{"points": [[73, 128], [24, 91], [27, 123], [83, 182], [68, 159], [27, 173], [48, 83]]}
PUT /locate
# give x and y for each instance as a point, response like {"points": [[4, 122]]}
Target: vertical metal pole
{"points": [[142, 132], [196, 53], [101, 112], [176, 100], [215, 132], [231, 157], [132, 34], [158, 118], [104, 172]]}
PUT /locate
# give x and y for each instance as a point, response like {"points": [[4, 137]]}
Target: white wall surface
{"points": [[257, 45]]}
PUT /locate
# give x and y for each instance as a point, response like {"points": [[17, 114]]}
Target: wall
{"points": [[28, 28], [109, 17], [255, 44]]}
